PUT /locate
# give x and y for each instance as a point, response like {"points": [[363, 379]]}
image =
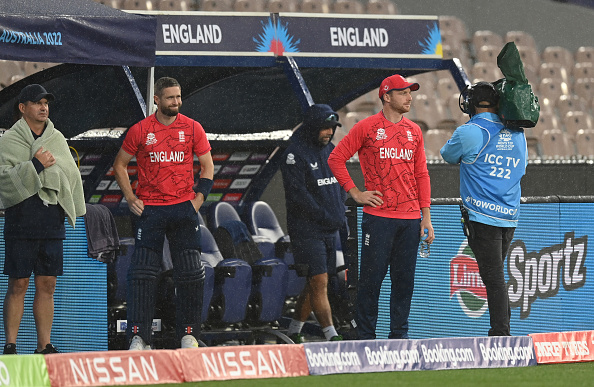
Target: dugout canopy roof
{"points": [[246, 72], [75, 31]]}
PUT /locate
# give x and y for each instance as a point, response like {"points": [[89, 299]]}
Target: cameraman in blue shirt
{"points": [[492, 160]]}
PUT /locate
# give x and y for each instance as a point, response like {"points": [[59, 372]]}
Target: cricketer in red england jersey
{"points": [[165, 158], [165, 205], [398, 191]]}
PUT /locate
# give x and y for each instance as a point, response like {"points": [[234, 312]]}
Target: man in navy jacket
{"points": [[315, 212]]}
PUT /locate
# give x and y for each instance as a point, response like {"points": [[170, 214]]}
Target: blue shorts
{"points": [[178, 221], [39, 256], [318, 253]]}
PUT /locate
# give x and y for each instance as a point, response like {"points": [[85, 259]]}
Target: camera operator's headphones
{"points": [[473, 95]]}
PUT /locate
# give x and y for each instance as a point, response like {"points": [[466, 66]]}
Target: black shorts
{"points": [[318, 253], [39, 256]]}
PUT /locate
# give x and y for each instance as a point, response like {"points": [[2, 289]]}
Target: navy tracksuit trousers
{"points": [[386, 243]]}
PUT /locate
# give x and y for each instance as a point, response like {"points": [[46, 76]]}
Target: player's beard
{"points": [[323, 141], [170, 112]]}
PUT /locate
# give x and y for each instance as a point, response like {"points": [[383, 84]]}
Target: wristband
{"points": [[204, 186]]}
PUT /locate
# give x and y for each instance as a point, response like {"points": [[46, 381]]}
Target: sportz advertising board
{"points": [[546, 270]]}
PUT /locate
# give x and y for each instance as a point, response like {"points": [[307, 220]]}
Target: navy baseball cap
{"points": [[321, 116], [34, 93]]}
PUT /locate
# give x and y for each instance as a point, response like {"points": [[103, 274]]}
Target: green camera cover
{"points": [[518, 106]]}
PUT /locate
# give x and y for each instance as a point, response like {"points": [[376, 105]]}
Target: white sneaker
{"points": [[138, 344], [189, 341]]}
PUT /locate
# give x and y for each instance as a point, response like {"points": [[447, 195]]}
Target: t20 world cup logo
{"points": [[466, 283]]}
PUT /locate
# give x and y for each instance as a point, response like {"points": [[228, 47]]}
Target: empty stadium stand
{"points": [[562, 77]]}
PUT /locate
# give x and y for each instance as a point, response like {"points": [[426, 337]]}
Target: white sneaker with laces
{"points": [[189, 341], [138, 344]]}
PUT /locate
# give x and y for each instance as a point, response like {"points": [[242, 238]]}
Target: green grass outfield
{"points": [[571, 375]]}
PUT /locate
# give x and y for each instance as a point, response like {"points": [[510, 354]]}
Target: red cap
{"points": [[396, 82]]}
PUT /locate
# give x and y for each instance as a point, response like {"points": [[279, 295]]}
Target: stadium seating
{"points": [[381, 7], [367, 103], [559, 55], [110, 3], [232, 289], [249, 6], [457, 51], [451, 39], [556, 145], [568, 103], [8, 68], [583, 70], [553, 70], [141, 5], [277, 6], [453, 25], [228, 283], [486, 38], [532, 143], [210, 257], [269, 274], [529, 56], [15, 78], [264, 227], [488, 54], [262, 222], [173, 5], [454, 107], [546, 121], [427, 109], [584, 88], [216, 5], [584, 140], [427, 80], [351, 118], [33, 67], [434, 140], [347, 6], [531, 75], [446, 87], [584, 54], [575, 121], [219, 213], [552, 89], [484, 71], [521, 38], [316, 6]]}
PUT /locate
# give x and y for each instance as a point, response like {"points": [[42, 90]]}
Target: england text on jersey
{"points": [[157, 157], [396, 153]]}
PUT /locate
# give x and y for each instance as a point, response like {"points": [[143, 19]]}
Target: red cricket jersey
{"points": [[392, 158], [165, 158]]}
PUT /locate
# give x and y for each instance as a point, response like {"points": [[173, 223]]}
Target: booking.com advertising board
{"points": [[546, 270]]}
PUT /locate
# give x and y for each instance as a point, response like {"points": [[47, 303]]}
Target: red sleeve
{"points": [[201, 144], [345, 149], [422, 174], [132, 140]]}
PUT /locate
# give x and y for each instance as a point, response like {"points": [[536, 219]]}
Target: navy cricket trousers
{"points": [[392, 243]]}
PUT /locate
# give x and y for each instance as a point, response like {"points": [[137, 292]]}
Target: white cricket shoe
{"points": [[138, 344], [189, 341]]}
